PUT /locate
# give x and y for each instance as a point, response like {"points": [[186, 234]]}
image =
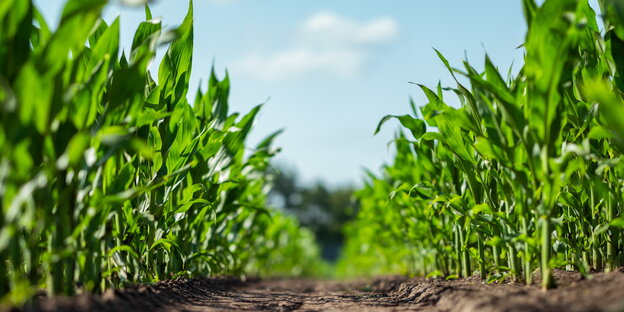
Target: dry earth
{"points": [[602, 292]]}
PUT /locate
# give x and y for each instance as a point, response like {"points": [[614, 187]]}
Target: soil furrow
{"points": [[600, 292]]}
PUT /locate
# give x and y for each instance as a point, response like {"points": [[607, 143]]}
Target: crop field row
{"points": [[527, 174], [109, 176]]}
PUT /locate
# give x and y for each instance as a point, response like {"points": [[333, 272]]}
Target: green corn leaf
{"points": [[430, 136], [611, 107], [529, 8], [176, 65], [76, 148], [77, 20], [144, 37], [107, 45], [416, 126], [16, 17], [266, 142], [34, 107]]}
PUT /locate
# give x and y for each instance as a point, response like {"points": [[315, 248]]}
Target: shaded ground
{"points": [[603, 292]]}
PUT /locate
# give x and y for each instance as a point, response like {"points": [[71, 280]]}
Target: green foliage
{"points": [[527, 172], [322, 209], [285, 249], [109, 176]]}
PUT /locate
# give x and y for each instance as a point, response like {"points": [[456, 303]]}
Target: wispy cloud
{"points": [[326, 43], [329, 28]]}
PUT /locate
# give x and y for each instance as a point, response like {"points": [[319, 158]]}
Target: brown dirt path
{"points": [[603, 292]]}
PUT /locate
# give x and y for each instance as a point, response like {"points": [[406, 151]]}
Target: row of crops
{"points": [[109, 176], [527, 174]]}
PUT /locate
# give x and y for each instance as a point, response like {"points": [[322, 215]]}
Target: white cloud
{"points": [[326, 44], [327, 27], [302, 61]]}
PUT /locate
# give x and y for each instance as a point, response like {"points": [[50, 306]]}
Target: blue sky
{"points": [[332, 69]]}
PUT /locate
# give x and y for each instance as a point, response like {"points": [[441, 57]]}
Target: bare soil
{"points": [[601, 292]]}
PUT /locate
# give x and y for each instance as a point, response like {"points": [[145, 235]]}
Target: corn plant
{"points": [[527, 173], [109, 176]]}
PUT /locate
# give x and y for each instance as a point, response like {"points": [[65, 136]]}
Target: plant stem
{"points": [[547, 279]]}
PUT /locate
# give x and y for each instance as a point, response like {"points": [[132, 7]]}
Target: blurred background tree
{"points": [[322, 208]]}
